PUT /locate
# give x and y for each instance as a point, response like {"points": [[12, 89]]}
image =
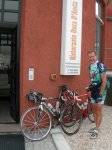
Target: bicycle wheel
{"points": [[90, 112], [36, 123], [71, 119]]}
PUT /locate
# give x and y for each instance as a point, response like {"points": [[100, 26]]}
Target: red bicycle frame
{"points": [[80, 100]]}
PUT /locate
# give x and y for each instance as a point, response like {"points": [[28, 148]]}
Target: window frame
{"points": [[3, 11], [99, 28]]}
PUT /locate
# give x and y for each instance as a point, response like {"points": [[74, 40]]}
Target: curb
{"points": [[59, 140]]}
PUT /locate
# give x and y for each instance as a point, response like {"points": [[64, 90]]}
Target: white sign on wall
{"points": [[31, 74], [71, 37]]}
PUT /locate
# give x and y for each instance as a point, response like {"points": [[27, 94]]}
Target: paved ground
{"points": [[46, 144], [82, 141], [57, 140]]}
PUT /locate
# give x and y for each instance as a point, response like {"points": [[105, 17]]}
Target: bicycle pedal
{"points": [[53, 127], [56, 122]]}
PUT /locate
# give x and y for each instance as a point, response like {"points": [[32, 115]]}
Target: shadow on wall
{"points": [[108, 100]]}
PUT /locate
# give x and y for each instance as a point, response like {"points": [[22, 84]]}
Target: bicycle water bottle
{"points": [[81, 106], [85, 105], [50, 107], [57, 107], [71, 93]]}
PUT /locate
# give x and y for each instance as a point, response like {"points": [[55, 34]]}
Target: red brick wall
{"points": [[41, 47]]}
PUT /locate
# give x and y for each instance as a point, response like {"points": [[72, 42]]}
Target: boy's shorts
{"points": [[96, 98]]}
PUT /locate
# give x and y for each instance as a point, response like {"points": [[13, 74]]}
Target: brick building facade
{"points": [[39, 40]]}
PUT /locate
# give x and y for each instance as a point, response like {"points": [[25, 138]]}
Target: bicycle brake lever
{"points": [[44, 98], [78, 99]]}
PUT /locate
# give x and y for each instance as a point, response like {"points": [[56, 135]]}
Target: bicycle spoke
{"points": [[36, 124], [71, 119]]}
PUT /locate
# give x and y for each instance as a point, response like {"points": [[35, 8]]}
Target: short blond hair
{"points": [[92, 51]]}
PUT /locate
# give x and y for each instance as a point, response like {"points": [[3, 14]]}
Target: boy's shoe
{"points": [[92, 130], [94, 134]]}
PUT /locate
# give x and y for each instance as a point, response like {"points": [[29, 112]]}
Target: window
{"points": [[0, 16], [99, 28], [6, 39], [99, 36], [11, 5], [10, 17], [99, 10], [9, 10], [0, 4]]}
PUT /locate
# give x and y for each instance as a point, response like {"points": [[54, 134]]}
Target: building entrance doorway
{"points": [[9, 106], [10, 12]]}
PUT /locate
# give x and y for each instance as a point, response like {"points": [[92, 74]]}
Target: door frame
{"points": [[12, 25]]}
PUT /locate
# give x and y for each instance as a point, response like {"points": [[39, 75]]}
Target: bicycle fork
{"points": [[40, 110]]}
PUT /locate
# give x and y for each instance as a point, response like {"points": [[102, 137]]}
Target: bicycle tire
{"points": [[90, 112], [71, 119], [33, 127]]}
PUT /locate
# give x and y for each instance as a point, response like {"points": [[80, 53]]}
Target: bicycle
{"points": [[36, 122], [74, 113]]}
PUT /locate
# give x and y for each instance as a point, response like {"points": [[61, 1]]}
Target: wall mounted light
{"points": [[53, 77]]}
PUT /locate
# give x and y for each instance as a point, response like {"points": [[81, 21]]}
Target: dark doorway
{"points": [[10, 14], [8, 75]]}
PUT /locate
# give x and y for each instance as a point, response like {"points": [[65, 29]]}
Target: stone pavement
{"points": [[82, 141], [46, 144], [57, 140], [54, 141]]}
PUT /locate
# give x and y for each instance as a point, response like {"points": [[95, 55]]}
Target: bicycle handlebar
{"points": [[78, 99], [87, 89], [38, 97], [51, 98]]}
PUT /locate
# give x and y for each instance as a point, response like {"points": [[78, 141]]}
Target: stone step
{"points": [[13, 127]]}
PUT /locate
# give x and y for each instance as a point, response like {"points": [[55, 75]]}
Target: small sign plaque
{"points": [[31, 73]]}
